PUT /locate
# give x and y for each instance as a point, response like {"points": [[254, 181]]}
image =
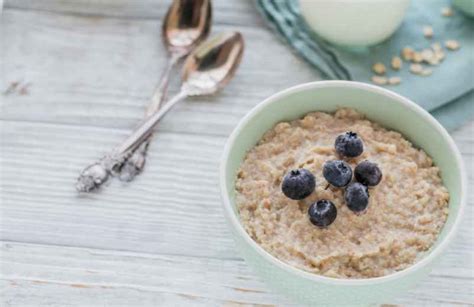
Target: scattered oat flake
{"points": [[417, 58], [426, 72], [428, 31], [379, 68], [396, 63], [452, 44], [416, 68], [433, 61], [394, 80], [407, 53], [379, 80], [427, 55], [440, 55], [447, 11]]}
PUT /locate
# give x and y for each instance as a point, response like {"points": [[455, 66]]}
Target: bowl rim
{"points": [[235, 221]]}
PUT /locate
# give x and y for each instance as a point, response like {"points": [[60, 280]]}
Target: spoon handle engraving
{"points": [[96, 174]]}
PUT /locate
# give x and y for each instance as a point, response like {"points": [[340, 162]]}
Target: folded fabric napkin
{"points": [[448, 93]]}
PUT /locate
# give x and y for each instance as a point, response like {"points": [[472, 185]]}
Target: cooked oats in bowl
{"points": [[341, 193], [404, 216]]}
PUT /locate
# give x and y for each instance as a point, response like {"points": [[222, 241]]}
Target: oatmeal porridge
{"points": [[405, 212]]}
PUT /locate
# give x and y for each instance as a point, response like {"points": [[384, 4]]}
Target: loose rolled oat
{"points": [[379, 68], [407, 53], [440, 55], [416, 68], [417, 57], [433, 61], [447, 11], [452, 44], [428, 31], [429, 56], [394, 80], [379, 80], [426, 72], [396, 63]]}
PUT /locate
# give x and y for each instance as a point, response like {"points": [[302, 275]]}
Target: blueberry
{"points": [[337, 172], [357, 197], [368, 173], [322, 213], [349, 144], [298, 184]]}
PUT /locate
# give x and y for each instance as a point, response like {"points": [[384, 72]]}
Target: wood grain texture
{"points": [[161, 240], [240, 13], [101, 72]]}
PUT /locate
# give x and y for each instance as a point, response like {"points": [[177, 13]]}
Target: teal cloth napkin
{"points": [[448, 93]]}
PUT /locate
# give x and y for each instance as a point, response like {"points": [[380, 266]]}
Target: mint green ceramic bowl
{"points": [[385, 107]]}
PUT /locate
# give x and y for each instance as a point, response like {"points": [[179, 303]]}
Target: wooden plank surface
{"points": [[119, 61], [89, 68]]}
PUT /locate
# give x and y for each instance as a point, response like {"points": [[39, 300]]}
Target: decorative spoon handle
{"points": [[145, 129], [160, 91], [134, 164], [97, 173]]}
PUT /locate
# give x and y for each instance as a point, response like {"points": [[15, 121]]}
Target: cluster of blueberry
{"points": [[300, 183]]}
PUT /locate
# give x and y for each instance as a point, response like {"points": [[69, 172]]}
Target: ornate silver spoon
{"points": [[206, 70], [186, 24]]}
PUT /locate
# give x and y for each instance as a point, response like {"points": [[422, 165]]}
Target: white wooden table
{"points": [[89, 68]]}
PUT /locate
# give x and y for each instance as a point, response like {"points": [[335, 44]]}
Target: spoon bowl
{"points": [[186, 24], [213, 64]]}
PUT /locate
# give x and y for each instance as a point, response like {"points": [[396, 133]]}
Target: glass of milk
{"points": [[354, 22]]}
